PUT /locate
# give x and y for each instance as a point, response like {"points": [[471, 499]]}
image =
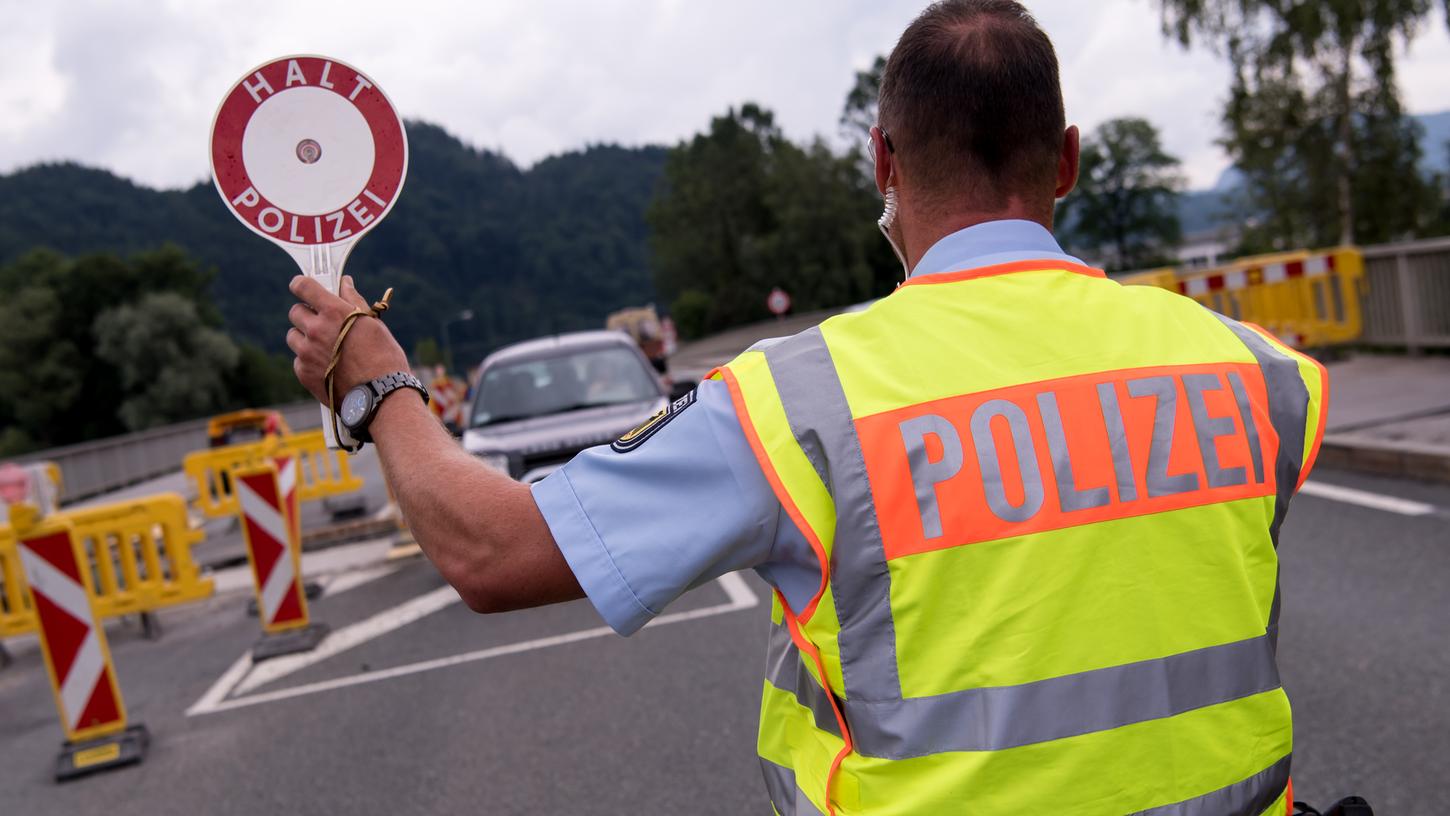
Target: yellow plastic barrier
{"points": [[140, 556], [16, 616], [1161, 278], [324, 472], [1307, 298]]}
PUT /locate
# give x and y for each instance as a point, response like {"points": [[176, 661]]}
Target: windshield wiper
{"points": [[578, 406]]}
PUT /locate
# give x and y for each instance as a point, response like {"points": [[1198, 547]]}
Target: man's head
{"points": [[971, 107]]}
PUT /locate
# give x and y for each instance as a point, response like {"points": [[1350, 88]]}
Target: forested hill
{"points": [[551, 248]]}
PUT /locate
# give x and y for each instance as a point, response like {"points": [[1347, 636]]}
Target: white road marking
{"points": [[1364, 498], [341, 640], [223, 685], [355, 578], [741, 597]]}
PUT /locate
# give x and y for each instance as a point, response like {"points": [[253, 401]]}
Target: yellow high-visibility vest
{"points": [[1047, 509]]}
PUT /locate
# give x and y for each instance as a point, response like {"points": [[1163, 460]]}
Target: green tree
{"points": [[426, 352], [859, 114], [1313, 107], [742, 209], [40, 373], [1127, 195], [171, 364], [261, 379]]}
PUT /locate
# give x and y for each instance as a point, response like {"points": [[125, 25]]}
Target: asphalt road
{"points": [[543, 712]]}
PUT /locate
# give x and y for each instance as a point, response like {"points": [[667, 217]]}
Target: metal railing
{"points": [[1407, 297], [93, 468]]}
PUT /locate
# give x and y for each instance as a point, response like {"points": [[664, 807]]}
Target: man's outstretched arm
{"points": [[481, 529]]}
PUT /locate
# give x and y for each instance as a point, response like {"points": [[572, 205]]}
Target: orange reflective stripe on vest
{"points": [[1060, 453]]}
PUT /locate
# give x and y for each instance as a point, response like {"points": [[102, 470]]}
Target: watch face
{"points": [[354, 406]]}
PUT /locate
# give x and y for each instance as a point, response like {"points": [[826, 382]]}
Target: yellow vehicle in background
{"points": [[247, 425]]}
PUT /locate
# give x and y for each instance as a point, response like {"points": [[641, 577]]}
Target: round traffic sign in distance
{"points": [[307, 150], [778, 302]]}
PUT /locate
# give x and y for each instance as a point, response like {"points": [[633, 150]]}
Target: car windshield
{"points": [[571, 380]]}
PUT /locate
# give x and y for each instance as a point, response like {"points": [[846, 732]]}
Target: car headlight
{"points": [[496, 461]]}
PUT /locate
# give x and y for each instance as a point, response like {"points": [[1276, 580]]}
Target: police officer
{"points": [[1021, 521]]}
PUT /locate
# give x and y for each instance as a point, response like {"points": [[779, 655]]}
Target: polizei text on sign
{"points": [[307, 150]]}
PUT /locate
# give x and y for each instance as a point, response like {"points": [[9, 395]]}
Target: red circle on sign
{"points": [[365, 206], [778, 302]]}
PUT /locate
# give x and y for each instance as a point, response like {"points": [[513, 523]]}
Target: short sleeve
{"points": [[685, 506]]}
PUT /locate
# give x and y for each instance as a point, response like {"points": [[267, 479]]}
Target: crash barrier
{"points": [[1408, 300], [140, 557], [1307, 298], [324, 472], [73, 642]]}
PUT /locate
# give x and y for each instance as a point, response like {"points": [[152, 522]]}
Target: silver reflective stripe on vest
{"points": [[1249, 797], [785, 671], [815, 404], [1288, 413], [788, 799], [993, 719]]}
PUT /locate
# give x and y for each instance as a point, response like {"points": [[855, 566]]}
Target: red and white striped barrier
{"points": [[272, 546], [449, 399], [287, 478], [1314, 266], [77, 657], [75, 644]]}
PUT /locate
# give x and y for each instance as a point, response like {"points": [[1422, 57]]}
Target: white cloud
{"points": [[134, 91]]}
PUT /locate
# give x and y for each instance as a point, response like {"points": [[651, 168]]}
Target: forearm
{"points": [[480, 528]]}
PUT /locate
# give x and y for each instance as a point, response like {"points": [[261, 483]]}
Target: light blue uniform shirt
{"points": [[691, 504]]}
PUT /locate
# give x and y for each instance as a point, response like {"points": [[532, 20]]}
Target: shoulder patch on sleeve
{"points": [[651, 426]]}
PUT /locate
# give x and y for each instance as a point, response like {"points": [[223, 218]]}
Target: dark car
{"points": [[541, 401]]}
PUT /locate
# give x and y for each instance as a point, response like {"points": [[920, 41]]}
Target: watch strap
{"points": [[381, 388], [388, 383]]}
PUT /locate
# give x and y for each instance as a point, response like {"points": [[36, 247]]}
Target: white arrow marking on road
{"points": [[1364, 498], [741, 597]]}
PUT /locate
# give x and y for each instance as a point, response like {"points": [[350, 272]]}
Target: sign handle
{"points": [[323, 263]]}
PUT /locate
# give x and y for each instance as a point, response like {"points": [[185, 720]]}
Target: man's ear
{"points": [[884, 164], [1067, 162]]}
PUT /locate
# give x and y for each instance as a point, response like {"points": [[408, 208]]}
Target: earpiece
{"points": [[887, 219], [888, 214]]}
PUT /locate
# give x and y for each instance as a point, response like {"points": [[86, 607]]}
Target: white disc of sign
{"points": [[308, 152], [778, 302]]}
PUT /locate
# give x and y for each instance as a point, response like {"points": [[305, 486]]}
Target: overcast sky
{"points": [[106, 84]]}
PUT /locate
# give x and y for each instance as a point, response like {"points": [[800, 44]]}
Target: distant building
{"points": [[1206, 248]]}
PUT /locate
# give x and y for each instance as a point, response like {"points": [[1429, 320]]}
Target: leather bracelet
{"points": [[328, 378]]}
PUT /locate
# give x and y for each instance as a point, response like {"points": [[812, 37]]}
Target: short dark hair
{"points": [[972, 102]]}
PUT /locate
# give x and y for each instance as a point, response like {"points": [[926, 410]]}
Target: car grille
{"points": [[557, 453]]}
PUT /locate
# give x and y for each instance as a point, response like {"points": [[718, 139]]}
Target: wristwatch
{"points": [[360, 404]]}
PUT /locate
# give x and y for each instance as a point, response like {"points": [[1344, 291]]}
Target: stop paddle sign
{"points": [[308, 153]]}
